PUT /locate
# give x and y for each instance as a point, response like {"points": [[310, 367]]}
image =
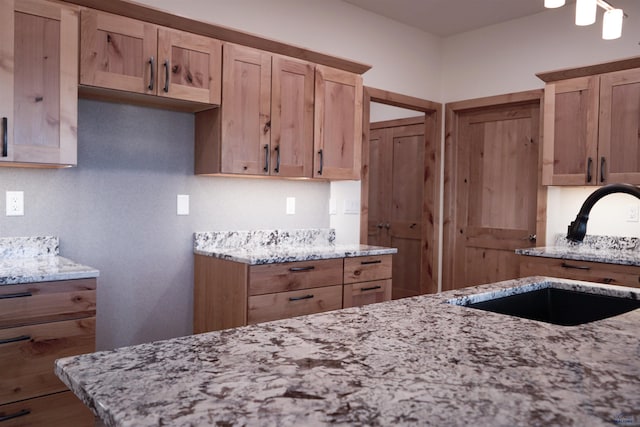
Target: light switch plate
{"points": [[633, 213], [15, 203], [183, 204], [291, 205], [351, 207]]}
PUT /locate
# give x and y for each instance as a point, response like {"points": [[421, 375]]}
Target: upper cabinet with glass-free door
{"points": [[125, 54]]}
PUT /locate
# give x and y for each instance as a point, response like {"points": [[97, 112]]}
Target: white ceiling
{"points": [[448, 17]]}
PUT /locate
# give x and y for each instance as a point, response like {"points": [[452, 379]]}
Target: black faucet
{"points": [[578, 228]]}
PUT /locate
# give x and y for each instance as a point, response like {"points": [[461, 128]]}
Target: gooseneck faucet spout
{"points": [[578, 228]]}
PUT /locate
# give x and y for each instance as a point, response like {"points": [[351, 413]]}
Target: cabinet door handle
{"points": [[266, 158], [166, 76], [277, 168], [16, 295], [15, 339], [5, 136], [309, 296], [377, 261], [152, 78], [298, 269], [370, 288], [602, 164], [589, 169], [20, 413], [321, 154], [575, 267]]}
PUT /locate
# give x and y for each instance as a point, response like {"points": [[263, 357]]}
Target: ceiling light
{"points": [[586, 12], [552, 4], [612, 24]]}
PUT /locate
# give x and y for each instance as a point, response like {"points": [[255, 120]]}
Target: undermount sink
{"points": [[558, 306]]}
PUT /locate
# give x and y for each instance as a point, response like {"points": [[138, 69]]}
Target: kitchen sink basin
{"points": [[558, 306]]}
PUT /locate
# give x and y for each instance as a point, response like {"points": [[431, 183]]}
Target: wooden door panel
{"points": [[380, 172], [406, 267], [484, 265]]}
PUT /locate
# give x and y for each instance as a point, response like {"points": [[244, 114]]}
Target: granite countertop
{"points": [[36, 259], [605, 249], [276, 246], [414, 361]]}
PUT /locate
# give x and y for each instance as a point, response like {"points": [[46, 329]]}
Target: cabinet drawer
{"points": [[263, 308], [363, 269], [46, 301], [290, 276], [358, 294], [27, 354], [611, 274], [55, 410]]}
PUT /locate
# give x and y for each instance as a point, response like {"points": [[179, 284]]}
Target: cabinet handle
{"points": [[377, 261], [266, 158], [153, 76], [309, 296], [387, 226], [166, 76], [380, 225], [277, 168], [589, 168], [15, 339], [298, 269], [16, 295], [370, 288], [321, 154], [5, 136], [602, 164], [20, 413], [575, 267]]}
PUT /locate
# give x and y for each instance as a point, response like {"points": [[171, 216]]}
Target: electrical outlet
{"points": [[633, 213], [15, 203], [291, 206], [183, 204]]}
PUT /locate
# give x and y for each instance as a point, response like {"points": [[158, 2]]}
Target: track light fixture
{"points": [[586, 11]]}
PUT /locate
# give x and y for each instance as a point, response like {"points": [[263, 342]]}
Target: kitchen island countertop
{"points": [[414, 361]]}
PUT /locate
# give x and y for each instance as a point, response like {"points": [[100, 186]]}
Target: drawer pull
{"points": [[370, 288], [5, 137], [607, 280], [298, 269], [377, 261], [309, 296], [575, 267], [16, 295], [15, 339], [20, 413]]}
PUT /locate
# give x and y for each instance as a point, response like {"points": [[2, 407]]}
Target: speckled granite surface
{"points": [[35, 259], [275, 246], [606, 249], [416, 361]]}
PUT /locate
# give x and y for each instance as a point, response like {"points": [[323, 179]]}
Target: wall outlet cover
{"points": [[15, 203], [291, 206], [183, 204]]}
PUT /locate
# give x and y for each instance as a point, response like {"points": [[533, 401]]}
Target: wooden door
{"points": [[39, 102], [292, 86], [189, 66], [246, 95], [338, 124], [396, 192], [118, 53], [619, 141], [571, 132], [493, 191]]}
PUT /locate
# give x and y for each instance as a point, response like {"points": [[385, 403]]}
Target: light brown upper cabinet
{"points": [[39, 83], [338, 124], [591, 128], [134, 56]]}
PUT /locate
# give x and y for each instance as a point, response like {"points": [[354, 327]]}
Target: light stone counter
{"points": [[416, 361]]}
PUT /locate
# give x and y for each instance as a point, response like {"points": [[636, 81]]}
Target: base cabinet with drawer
{"points": [[610, 274], [39, 323], [229, 294]]}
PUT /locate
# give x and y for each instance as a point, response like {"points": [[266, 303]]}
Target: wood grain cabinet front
{"points": [[367, 280], [39, 323], [128, 55], [39, 83]]}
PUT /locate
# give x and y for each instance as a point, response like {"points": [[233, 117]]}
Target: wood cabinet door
{"points": [[62, 409], [619, 141], [570, 153], [338, 124], [189, 66], [380, 190], [39, 101], [246, 95], [292, 86], [118, 53]]}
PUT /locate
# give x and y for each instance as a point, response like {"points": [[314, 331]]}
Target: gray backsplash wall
{"points": [[116, 212]]}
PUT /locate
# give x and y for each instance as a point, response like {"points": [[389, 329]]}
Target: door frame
{"points": [[431, 194], [452, 113]]}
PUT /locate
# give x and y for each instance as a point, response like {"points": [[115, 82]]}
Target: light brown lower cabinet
{"points": [[229, 294], [611, 274], [39, 323]]}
